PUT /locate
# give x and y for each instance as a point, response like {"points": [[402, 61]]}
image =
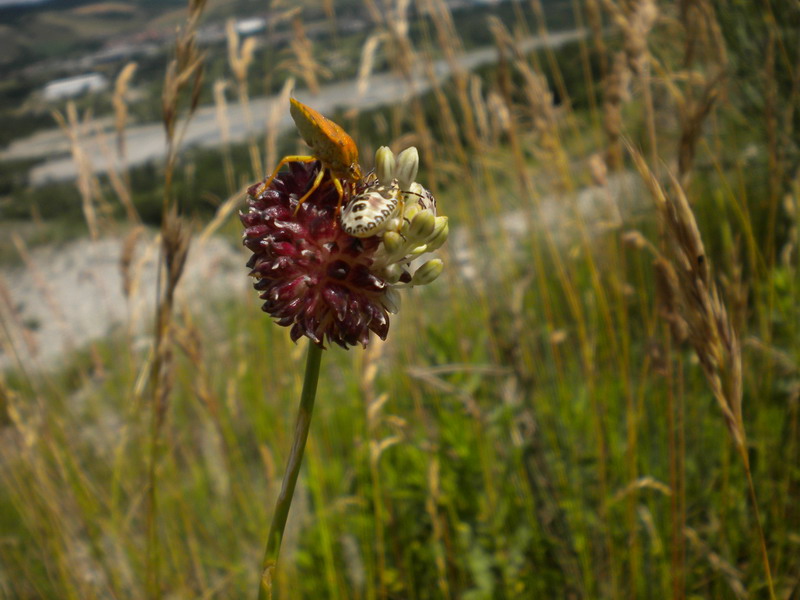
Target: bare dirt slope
{"points": [[65, 296]]}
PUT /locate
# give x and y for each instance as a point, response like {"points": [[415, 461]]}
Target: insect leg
{"points": [[338, 185], [313, 187], [284, 160]]}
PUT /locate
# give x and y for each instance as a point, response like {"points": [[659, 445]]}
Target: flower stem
{"points": [[742, 448], [284, 502]]}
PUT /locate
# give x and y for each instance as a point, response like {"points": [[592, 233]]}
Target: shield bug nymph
{"points": [[373, 210], [329, 143]]}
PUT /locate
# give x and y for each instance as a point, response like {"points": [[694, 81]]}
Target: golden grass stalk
{"points": [[240, 59], [276, 111], [43, 286], [126, 259], [306, 67], [367, 63], [730, 573], [692, 295], [121, 86], [594, 17], [635, 21], [373, 404], [616, 95], [88, 187], [120, 182], [184, 73], [13, 334], [221, 113]]}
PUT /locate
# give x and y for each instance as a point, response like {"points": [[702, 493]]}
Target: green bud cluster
{"points": [[418, 231]]}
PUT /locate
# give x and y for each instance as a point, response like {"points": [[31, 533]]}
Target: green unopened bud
{"points": [[394, 223], [439, 236], [407, 167], [385, 164], [422, 225], [418, 251], [415, 189], [392, 242], [428, 272], [391, 300], [410, 210], [392, 273]]}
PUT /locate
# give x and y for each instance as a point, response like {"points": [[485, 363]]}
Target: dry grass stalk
{"points": [[184, 72], [694, 296], [306, 67], [450, 43], [276, 111], [731, 574], [221, 114], [367, 63], [13, 332], [552, 61], [704, 41], [121, 86], [540, 104], [449, 124], [703, 44], [448, 39], [126, 259], [598, 170], [647, 482], [374, 403], [43, 286], [376, 13], [791, 208], [616, 95], [400, 50], [635, 21], [595, 18], [240, 59], [88, 186], [499, 114], [224, 211], [438, 534], [403, 59], [119, 182], [667, 286], [479, 107], [693, 113]]}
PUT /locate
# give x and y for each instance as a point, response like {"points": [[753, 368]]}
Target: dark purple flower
{"points": [[312, 276]]}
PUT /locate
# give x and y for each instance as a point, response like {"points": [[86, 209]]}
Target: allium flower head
{"points": [[322, 282]]}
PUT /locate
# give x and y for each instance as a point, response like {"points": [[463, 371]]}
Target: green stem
{"points": [[742, 448], [284, 502]]}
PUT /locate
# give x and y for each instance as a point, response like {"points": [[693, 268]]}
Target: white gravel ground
{"points": [[69, 295]]}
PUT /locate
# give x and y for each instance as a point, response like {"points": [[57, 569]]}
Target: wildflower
{"points": [[322, 282]]}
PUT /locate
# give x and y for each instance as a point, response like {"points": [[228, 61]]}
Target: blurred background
{"points": [[598, 398]]}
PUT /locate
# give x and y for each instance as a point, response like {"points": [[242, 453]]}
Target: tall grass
{"points": [[598, 400]]}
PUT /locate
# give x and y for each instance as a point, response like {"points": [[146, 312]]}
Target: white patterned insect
{"points": [[373, 210]]}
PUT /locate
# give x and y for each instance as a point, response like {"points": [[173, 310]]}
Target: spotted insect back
{"points": [[371, 211]]}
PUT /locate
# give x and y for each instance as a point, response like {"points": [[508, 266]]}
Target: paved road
{"points": [[146, 142]]}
